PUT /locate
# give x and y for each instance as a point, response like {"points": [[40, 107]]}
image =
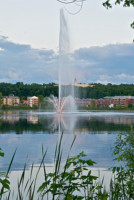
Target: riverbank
{"points": [[20, 107], [81, 109], [84, 108]]}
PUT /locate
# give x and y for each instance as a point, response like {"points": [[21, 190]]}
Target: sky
{"points": [[101, 42]]}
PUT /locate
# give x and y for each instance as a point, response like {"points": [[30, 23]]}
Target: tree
{"points": [[1, 98], [41, 98], [130, 105], [93, 105], [107, 4], [70, 1], [78, 3], [125, 3]]}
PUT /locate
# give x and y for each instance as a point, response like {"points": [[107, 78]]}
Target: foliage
{"points": [[93, 105], [130, 105], [41, 98], [125, 3], [47, 105], [68, 1], [18, 107], [97, 91], [124, 148], [1, 97], [4, 182], [75, 181], [4, 178], [123, 185], [24, 90], [100, 91]]}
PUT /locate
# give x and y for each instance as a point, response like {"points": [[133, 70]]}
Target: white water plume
{"points": [[65, 101], [66, 69], [66, 104]]}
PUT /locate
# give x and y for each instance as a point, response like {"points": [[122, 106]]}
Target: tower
{"points": [[75, 82]]}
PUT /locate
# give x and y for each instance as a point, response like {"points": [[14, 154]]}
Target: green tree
{"points": [[107, 4], [1, 98], [41, 98], [125, 3], [130, 105], [93, 105], [123, 185]]}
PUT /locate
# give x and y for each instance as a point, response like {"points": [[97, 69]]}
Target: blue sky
{"points": [[101, 42]]}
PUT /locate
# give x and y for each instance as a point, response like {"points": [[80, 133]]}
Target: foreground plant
{"points": [[122, 187], [73, 180], [4, 177]]}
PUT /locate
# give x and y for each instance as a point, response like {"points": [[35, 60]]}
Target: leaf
{"points": [[1, 153], [107, 4], [90, 162], [5, 183], [132, 25]]}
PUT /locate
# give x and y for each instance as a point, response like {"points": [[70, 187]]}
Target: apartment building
{"points": [[121, 100], [116, 101], [32, 101], [83, 102], [11, 100]]}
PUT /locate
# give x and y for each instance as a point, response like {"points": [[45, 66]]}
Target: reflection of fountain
{"points": [[64, 123], [65, 100]]}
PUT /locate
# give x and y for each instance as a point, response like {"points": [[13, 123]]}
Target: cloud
{"points": [[13, 75], [22, 63], [107, 64], [111, 63]]}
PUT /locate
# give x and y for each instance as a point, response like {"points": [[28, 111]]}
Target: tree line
{"points": [[24, 90], [100, 91], [97, 91]]}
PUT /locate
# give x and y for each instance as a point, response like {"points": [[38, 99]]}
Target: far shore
{"points": [[81, 109]]}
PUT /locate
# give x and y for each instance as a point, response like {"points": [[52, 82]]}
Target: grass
{"points": [[74, 180], [18, 107]]}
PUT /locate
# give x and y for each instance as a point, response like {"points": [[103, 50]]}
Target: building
{"points": [[100, 102], [122, 100], [25, 102], [107, 101], [83, 102], [81, 84], [11, 100], [132, 100], [115, 101], [32, 101]]}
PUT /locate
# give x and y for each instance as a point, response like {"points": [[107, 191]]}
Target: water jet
{"points": [[65, 101]]}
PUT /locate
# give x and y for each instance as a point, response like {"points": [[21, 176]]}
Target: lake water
{"points": [[95, 134]]}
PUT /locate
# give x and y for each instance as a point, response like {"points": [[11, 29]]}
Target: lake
{"points": [[28, 131]]}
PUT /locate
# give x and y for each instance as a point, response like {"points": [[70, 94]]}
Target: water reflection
{"points": [[32, 122], [64, 123], [28, 131]]}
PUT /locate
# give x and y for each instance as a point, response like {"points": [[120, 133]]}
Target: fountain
{"points": [[65, 101]]}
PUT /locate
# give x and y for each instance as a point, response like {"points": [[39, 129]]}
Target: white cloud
{"points": [[111, 63], [104, 82], [126, 77], [13, 75], [1, 49]]}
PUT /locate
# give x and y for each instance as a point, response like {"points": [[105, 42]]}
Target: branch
{"points": [[67, 1]]}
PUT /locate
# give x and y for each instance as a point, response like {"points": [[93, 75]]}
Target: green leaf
{"points": [[5, 183]]}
